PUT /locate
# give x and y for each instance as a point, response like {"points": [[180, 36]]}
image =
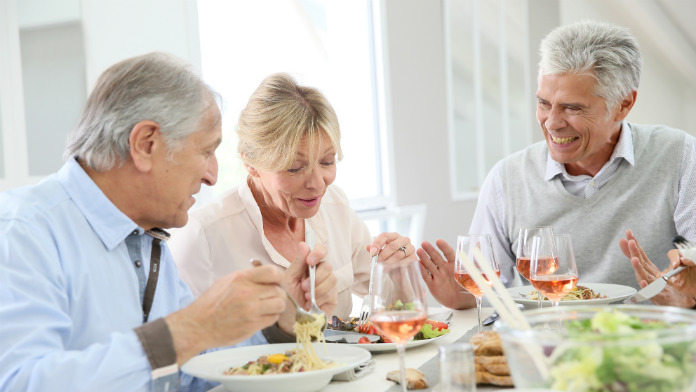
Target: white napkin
{"points": [[355, 373]]}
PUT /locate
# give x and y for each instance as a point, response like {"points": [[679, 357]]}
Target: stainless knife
{"points": [[334, 336], [653, 288]]}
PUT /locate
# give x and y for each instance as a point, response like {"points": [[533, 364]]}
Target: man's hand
{"points": [[676, 293], [438, 274], [684, 281], [296, 282], [234, 308]]}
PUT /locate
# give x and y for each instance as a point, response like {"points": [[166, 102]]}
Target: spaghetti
{"points": [[576, 294], [303, 358]]}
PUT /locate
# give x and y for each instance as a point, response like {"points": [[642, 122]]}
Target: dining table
{"points": [[463, 325], [424, 357]]}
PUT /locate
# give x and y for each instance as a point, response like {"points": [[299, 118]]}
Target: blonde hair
{"points": [[279, 114]]}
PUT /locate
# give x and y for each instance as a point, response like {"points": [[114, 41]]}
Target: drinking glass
{"points": [[553, 271], [465, 246], [399, 305], [457, 368], [524, 249]]}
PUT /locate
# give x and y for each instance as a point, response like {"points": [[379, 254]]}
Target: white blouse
{"points": [[222, 236]]}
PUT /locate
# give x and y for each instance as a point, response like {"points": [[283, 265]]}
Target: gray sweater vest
{"points": [[642, 198]]}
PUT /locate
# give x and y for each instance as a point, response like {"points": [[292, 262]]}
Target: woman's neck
{"points": [[273, 216]]}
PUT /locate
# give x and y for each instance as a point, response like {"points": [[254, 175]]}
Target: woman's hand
{"points": [[392, 247], [296, 282]]}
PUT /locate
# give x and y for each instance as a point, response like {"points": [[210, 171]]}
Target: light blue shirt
{"points": [[69, 291]]}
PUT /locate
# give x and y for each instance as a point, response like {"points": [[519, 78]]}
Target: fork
{"points": [[314, 309], [301, 315], [366, 307], [686, 247]]}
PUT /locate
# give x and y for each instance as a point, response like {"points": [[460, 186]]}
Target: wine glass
{"points": [[465, 246], [524, 249], [399, 305], [553, 270]]}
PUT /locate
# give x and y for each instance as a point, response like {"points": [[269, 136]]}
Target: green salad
{"points": [[638, 363]]}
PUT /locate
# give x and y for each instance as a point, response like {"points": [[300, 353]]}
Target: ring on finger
{"points": [[403, 249]]}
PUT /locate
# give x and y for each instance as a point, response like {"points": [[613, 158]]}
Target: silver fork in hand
{"points": [[301, 315], [686, 247], [682, 243], [315, 309], [366, 307]]}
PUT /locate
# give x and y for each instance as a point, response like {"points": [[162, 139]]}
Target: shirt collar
{"points": [[623, 149], [111, 225]]}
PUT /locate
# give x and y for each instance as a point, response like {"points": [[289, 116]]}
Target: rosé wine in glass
{"points": [[399, 305], [465, 246], [467, 282], [525, 263], [398, 326], [524, 248], [558, 282]]}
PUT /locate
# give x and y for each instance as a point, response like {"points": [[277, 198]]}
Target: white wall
{"points": [[415, 52], [115, 30]]}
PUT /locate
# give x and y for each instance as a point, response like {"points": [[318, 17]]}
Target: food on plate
{"points": [[431, 329], [578, 293], [301, 359], [647, 365], [415, 379], [489, 358]]}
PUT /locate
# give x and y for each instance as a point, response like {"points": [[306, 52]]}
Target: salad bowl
{"points": [[603, 348]]}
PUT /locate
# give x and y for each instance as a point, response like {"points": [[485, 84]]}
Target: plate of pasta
{"points": [[217, 366], [583, 294]]}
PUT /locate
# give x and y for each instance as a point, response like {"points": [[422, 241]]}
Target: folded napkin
{"points": [[355, 373]]}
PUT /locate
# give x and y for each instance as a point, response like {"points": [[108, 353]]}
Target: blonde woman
{"points": [[289, 142]]}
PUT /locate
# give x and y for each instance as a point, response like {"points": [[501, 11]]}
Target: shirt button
{"points": [[592, 183], [138, 263], [135, 232]]}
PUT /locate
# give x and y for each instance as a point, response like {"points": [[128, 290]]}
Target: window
{"points": [[489, 92], [325, 44]]}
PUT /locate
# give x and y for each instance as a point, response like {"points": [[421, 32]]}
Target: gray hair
{"points": [[605, 51], [157, 87], [279, 114]]}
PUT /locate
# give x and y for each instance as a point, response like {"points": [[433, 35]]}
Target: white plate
{"points": [[444, 317], [613, 293], [379, 347], [211, 366]]}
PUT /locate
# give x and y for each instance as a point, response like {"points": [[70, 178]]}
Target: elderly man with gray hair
{"points": [[90, 297], [595, 175]]}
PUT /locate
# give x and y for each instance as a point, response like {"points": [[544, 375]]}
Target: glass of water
{"points": [[457, 368]]}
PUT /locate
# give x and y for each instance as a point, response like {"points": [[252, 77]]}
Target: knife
{"points": [[334, 336], [653, 288]]}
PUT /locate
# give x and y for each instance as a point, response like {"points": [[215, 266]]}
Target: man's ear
{"points": [[626, 105], [145, 140]]}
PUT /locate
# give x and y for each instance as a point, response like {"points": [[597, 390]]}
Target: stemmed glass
{"points": [[524, 249], [553, 271], [399, 305], [465, 246]]}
